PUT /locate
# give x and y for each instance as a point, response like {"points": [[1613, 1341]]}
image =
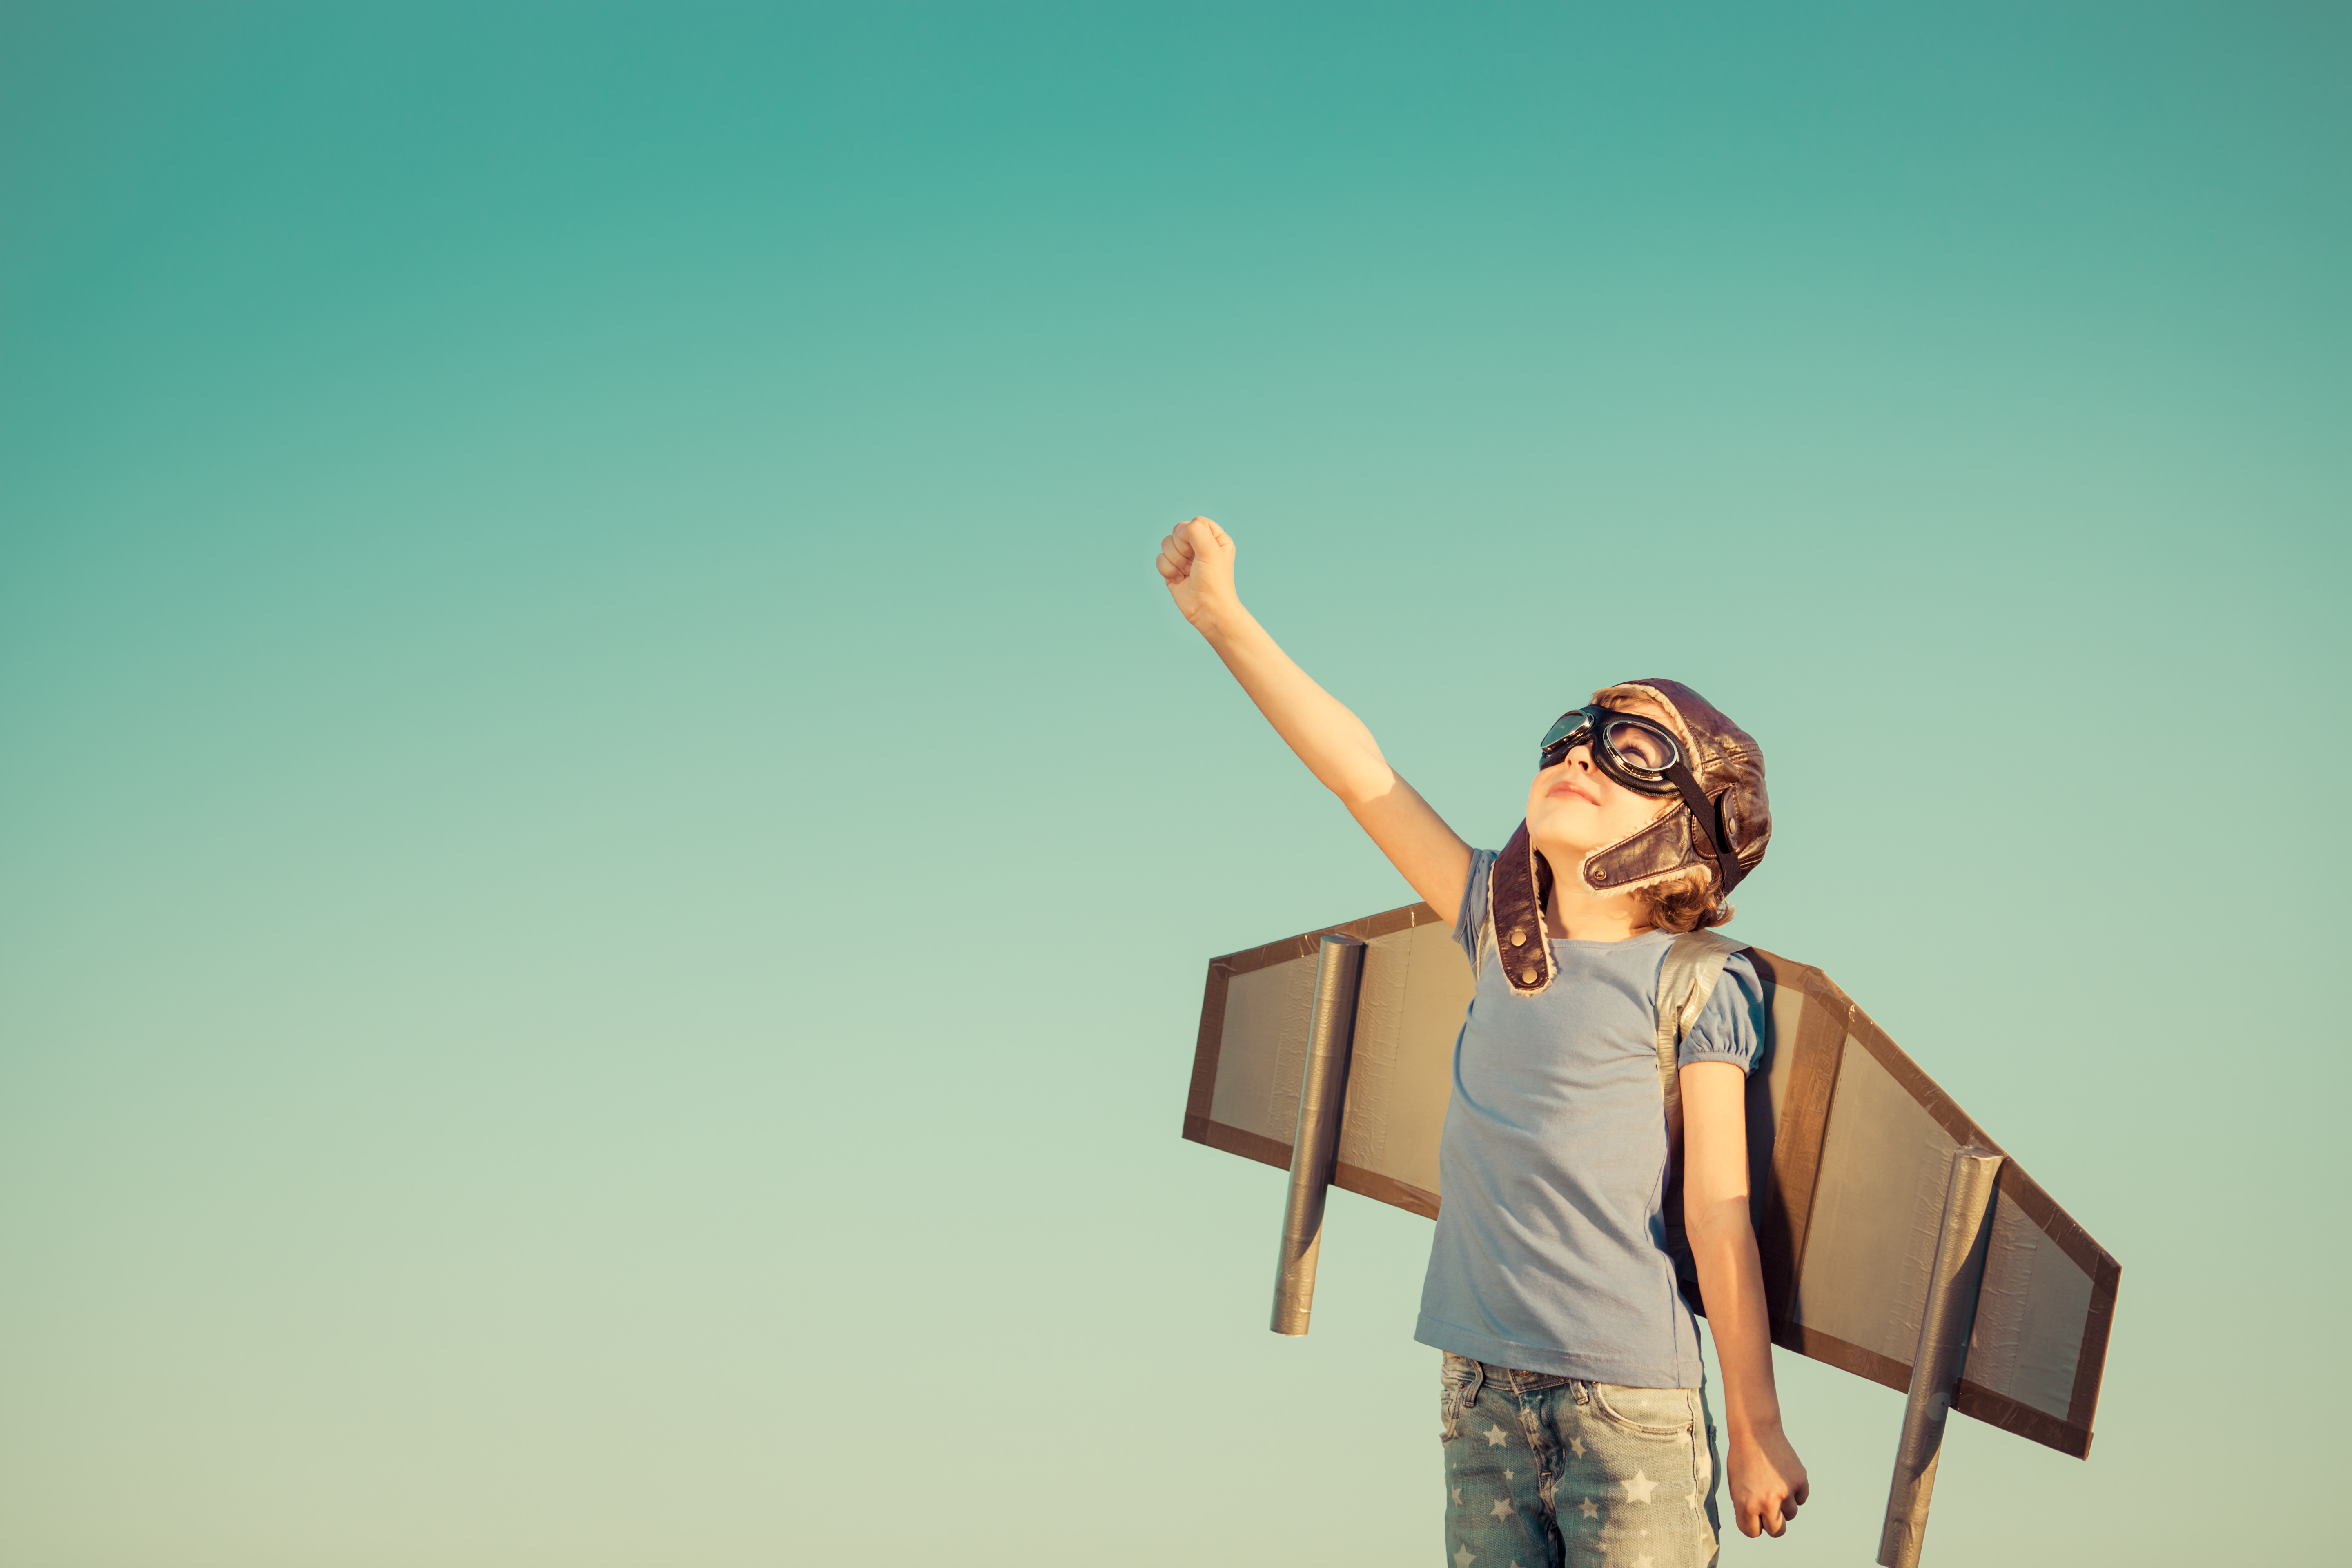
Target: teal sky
{"points": [[607, 842]]}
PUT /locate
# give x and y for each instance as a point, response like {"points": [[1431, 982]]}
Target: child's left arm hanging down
{"points": [[1764, 1476]]}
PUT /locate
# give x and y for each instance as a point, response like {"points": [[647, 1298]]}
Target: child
{"points": [[1573, 1407]]}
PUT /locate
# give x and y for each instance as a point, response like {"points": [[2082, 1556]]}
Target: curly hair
{"points": [[1687, 901]]}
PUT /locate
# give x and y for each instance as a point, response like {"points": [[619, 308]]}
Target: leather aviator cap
{"points": [[1729, 769]]}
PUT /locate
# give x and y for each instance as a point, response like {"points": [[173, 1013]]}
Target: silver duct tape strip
{"points": [[1322, 1090], [1945, 1324]]}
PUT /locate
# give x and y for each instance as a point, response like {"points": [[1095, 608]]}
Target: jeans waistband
{"points": [[1518, 1380], [1521, 1380]]}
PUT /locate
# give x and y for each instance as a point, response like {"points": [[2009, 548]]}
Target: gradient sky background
{"points": [[607, 842]]}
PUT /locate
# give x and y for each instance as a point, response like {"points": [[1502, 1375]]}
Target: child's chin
{"points": [[1557, 844], [1563, 821]]}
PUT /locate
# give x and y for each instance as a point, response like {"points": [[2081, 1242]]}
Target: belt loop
{"points": [[1581, 1389], [1477, 1382]]}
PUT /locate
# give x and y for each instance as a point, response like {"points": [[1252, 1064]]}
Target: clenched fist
{"points": [[1768, 1482], [1197, 563]]}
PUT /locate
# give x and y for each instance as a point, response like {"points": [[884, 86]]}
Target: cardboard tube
{"points": [[1943, 1325], [1323, 1085]]}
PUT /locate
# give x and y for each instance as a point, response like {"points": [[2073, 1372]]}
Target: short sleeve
{"points": [[1730, 1028], [1470, 927]]}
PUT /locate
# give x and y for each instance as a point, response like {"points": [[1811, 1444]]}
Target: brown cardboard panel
{"points": [[1815, 1345], [1257, 1090], [1206, 1046], [1306, 943], [1415, 988], [1409, 1010], [2027, 1341], [1248, 1145], [1876, 1212], [2011, 1416], [1969, 1399], [2026, 1193], [1386, 1189], [1808, 1018], [1850, 1142], [2094, 1360]]}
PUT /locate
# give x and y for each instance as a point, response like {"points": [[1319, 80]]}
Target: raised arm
{"points": [[1197, 563], [1761, 1471]]}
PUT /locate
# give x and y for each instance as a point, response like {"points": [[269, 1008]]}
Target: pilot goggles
{"points": [[1637, 754]]}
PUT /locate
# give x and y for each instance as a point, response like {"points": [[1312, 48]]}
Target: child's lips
{"points": [[1570, 788]]}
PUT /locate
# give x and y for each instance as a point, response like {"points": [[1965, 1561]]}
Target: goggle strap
{"points": [[1708, 827]]}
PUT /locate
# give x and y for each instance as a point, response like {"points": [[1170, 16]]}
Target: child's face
{"points": [[1575, 806]]}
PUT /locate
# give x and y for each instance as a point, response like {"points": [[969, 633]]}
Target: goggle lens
{"points": [[1640, 746], [1571, 729]]}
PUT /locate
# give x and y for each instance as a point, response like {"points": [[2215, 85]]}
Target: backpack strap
{"points": [[1685, 980]]}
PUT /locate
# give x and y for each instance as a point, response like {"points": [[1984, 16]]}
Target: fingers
{"points": [[1176, 552], [1768, 1516], [1205, 537]]}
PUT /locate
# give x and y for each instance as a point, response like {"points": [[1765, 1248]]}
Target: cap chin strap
{"points": [[1518, 886]]}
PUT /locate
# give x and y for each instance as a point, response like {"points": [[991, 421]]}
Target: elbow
{"points": [[1720, 1223], [1363, 785]]}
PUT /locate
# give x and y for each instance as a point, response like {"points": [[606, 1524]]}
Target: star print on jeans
{"points": [[1639, 1487], [1495, 1438], [1502, 1509], [1464, 1557], [1586, 1509]]}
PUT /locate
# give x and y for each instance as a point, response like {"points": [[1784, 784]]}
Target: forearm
{"points": [[1766, 1480], [1330, 739], [1731, 1280]]}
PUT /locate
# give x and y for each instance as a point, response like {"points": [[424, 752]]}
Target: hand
{"points": [[1197, 563], [1768, 1483]]}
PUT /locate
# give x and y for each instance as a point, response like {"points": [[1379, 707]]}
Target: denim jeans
{"points": [[1545, 1472]]}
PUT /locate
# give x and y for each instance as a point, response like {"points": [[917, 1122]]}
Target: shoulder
{"points": [[1730, 1028], [1740, 970], [1471, 925]]}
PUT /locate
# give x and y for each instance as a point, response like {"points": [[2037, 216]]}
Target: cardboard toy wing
{"points": [[1851, 1146]]}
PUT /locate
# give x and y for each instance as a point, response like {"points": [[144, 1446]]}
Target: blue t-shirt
{"points": [[1550, 1252]]}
